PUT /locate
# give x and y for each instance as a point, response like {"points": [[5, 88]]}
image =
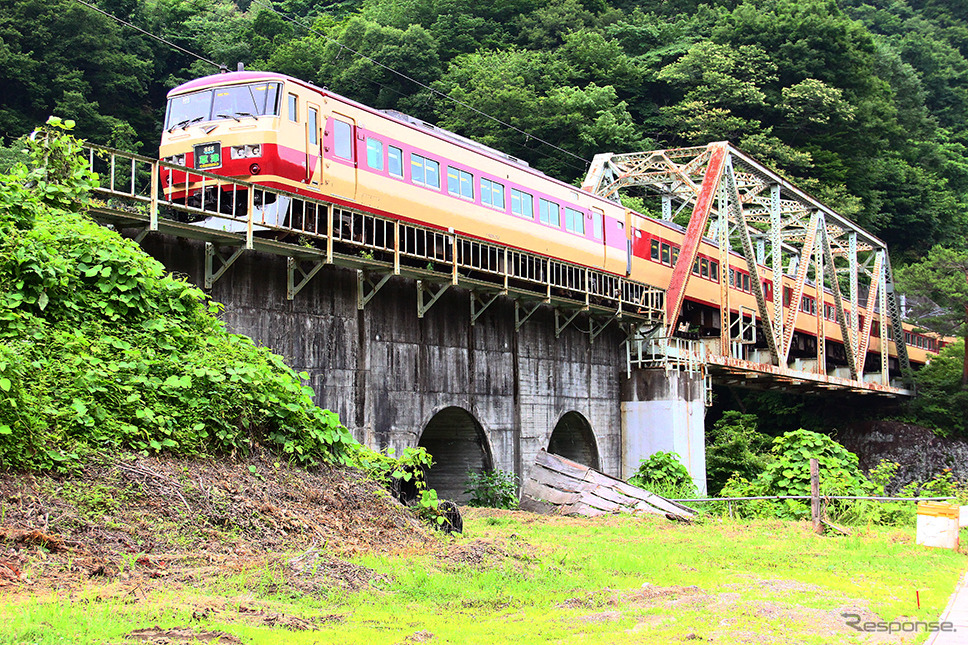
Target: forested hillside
{"points": [[863, 104]]}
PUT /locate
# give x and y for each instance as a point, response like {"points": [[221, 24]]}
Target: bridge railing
{"points": [[131, 188]]}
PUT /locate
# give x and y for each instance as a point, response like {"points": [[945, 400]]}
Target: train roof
{"points": [[229, 78]]}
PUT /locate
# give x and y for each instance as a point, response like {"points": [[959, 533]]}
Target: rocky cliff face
{"points": [[920, 453]]}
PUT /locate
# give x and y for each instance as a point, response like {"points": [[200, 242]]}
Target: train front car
{"points": [[226, 125]]}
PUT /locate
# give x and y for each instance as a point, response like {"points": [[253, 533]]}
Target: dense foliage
{"points": [[663, 473], [862, 103], [734, 447], [942, 401], [101, 350], [788, 473], [492, 489]]}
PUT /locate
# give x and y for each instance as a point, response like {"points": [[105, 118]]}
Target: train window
{"points": [[492, 193], [704, 267], [598, 217], [293, 108], [787, 296], [732, 277], [549, 213], [695, 267], [313, 127], [574, 221], [714, 270], [675, 254], [374, 154], [395, 161], [746, 282], [424, 172], [266, 97], [522, 203], [655, 250], [666, 250], [343, 139], [460, 183]]}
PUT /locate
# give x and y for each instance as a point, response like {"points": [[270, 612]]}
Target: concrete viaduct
{"points": [[477, 396]]}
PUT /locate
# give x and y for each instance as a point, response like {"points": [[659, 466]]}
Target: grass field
{"points": [[514, 577]]}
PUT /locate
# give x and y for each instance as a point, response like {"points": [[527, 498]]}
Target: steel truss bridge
{"points": [[734, 200], [741, 205]]}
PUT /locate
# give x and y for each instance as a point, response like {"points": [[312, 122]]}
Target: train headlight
{"points": [[254, 169], [246, 151], [178, 160]]}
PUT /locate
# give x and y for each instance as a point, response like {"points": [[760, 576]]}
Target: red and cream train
{"points": [[288, 134]]}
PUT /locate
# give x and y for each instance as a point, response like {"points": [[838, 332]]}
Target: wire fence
{"points": [[823, 497]]}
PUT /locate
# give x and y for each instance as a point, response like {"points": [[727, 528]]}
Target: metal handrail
{"points": [[131, 184]]}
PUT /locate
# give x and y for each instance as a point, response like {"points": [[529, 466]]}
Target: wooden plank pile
{"points": [[563, 487]]}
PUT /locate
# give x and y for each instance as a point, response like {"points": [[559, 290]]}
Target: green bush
{"points": [[101, 350], [734, 447], [492, 489], [789, 474], [663, 474], [942, 402]]}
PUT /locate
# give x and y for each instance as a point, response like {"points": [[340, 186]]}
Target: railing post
{"points": [[815, 496], [453, 241], [396, 247], [250, 208], [329, 233], [153, 204]]}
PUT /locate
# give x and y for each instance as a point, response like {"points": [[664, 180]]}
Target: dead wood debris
{"points": [[183, 520]]}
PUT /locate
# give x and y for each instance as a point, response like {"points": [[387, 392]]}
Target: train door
{"points": [[628, 242], [343, 152], [598, 233], [314, 158]]}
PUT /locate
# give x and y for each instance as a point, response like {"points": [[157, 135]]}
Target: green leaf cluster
{"points": [[788, 473], [101, 350], [492, 489], [663, 472], [734, 447]]}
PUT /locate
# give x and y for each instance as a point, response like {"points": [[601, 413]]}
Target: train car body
{"points": [[284, 133]]}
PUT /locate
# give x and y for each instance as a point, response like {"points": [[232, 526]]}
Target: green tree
{"points": [[734, 447], [940, 283], [942, 398]]}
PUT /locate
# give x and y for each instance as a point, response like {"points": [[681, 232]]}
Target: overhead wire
{"points": [[505, 124], [528, 135], [149, 34]]}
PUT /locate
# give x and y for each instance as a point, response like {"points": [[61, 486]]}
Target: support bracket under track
{"points": [[293, 266], [213, 253], [423, 306]]}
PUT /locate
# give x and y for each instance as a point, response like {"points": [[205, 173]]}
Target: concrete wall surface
{"points": [[664, 410], [387, 373]]}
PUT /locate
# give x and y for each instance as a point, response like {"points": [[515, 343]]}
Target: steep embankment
{"points": [[101, 350], [920, 452], [137, 436]]}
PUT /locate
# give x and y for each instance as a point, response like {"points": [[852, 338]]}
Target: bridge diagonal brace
{"points": [[143, 233], [561, 326], [595, 329], [213, 253], [366, 288], [422, 288], [479, 305], [292, 266], [519, 320]]}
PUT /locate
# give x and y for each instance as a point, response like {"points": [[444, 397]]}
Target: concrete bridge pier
{"points": [[664, 410]]}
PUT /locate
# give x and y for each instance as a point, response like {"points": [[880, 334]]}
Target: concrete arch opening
{"points": [[573, 439], [457, 443]]}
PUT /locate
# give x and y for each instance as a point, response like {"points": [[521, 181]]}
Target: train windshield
{"points": [[236, 102]]}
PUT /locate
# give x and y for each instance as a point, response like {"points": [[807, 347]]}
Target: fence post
{"points": [[815, 495]]}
